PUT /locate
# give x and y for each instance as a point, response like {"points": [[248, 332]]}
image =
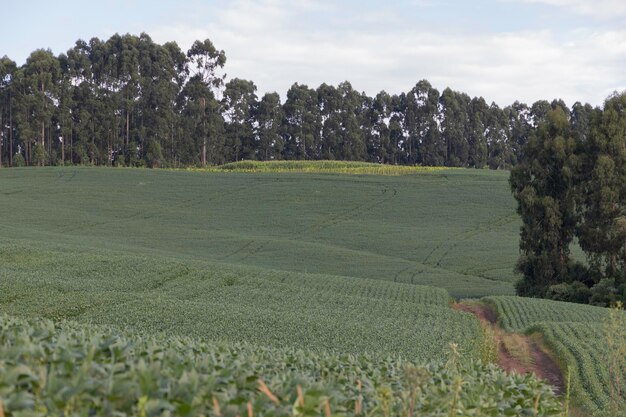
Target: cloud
{"points": [[277, 43], [602, 9]]}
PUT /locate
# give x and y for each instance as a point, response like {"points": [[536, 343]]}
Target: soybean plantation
{"points": [[233, 303], [454, 229], [585, 339], [332, 284], [69, 369]]}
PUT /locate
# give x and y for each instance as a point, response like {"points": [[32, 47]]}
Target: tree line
{"points": [[571, 192], [129, 101]]}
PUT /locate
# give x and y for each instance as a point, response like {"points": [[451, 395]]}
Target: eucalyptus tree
{"points": [[602, 230], [201, 140], [42, 72], [539, 111], [421, 110], [352, 146], [268, 118], [454, 120], [205, 63], [303, 124], [239, 105], [432, 149], [544, 186], [329, 105], [180, 74], [63, 113], [379, 145], [478, 114], [7, 74], [580, 119], [520, 125], [161, 74], [497, 134], [25, 122]]}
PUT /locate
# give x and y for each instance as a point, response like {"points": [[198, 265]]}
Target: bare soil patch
{"points": [[518, 352]]}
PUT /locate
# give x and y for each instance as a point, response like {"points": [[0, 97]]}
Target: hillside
{"points": [[330, 265], [451, 229]]}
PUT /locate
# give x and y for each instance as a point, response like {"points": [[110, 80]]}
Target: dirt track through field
{"points": [[535, 357]]}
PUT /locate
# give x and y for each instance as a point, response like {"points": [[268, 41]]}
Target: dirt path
{"points": [[517, 352]]}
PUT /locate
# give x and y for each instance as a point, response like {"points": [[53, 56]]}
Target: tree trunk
{"points": [[71, 142], [127, 127], [10, 133], [204, 152], [1, 136]]}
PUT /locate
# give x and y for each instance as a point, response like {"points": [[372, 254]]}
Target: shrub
{"points": [[604, 292], [39, 155], [18, 160]]}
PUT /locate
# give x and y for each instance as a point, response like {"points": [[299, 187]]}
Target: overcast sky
{"points": [[503, 50]]}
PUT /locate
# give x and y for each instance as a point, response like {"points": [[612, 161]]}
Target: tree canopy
{"points": [[124, 100], [571, 188]]}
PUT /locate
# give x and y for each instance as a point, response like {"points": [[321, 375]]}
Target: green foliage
{"points": [[576, 335], [543, 185], [154, 154], [602, 231], [126, 91], [574, 292], [516, 314], [333, 167], [67, 369], [433, 228], [220, 302], [571, 184], [39, 155], [18, 160]]}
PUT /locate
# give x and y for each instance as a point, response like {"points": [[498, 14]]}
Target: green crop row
{"points": [[230, 303], [580, 336], [68, 369], [583, 349], [518, 313], [452, 229]]}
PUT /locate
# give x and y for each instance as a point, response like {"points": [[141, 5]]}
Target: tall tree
{"points": [[205, 63], [41, 72], [477, 142], [239, 103], [202, 126], [519, 126], [499, 147], [433, 151], [602, 232], [454, 120], [7, 73], [268, 119], [303, 123], [543, 185]]}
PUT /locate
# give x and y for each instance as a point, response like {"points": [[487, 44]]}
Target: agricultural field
{"points": [[582, 339], [453, 229], [209, 281], [233, 303], [70, 369]]}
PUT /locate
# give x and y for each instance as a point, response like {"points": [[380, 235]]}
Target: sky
{"points": [[502, 50]]}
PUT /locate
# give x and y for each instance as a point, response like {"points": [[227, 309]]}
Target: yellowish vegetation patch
{"points": [[333, 167]]}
